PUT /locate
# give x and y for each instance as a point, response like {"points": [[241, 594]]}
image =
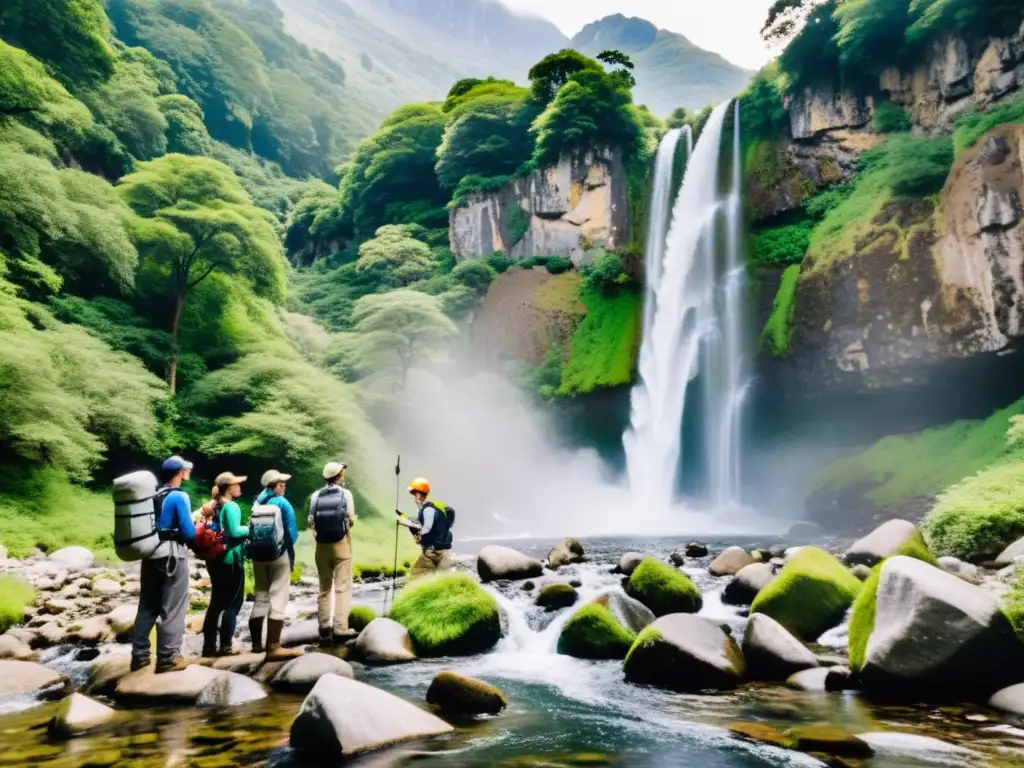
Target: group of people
{"points": [[216, 532]]}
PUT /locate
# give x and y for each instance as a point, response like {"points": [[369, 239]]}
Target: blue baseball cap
{"points": [[176, 464]]}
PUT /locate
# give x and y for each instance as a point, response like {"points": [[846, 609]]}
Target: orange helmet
{"points": [[420, 484]]}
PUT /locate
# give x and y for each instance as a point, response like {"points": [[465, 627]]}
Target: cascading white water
{"points": [[696, 326]]}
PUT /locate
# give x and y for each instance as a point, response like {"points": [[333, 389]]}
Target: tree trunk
{"points": [[172, 377]]}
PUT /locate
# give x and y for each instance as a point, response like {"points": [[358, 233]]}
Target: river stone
{"points": [[104, 675], [20, 677], [300, 675], [243, 663], [122, 621], [828, 739], [11, 648], [965, 571], [684, 652], [301, 633], [759, 732], [567, 552], [629, 612], [677, 560], [73, 559], [496, 563], [56, 606], [49, 635], [555, 596], [106, 588], [343, 717], [934, 630], [1010, 554], [771, 652], [862, 572], [457, 694], [885, 541], [747, 583], [181, 687], [730, 562], [77, 714], [696, 549], [1009, 699], [384, 641], [91, 631], [629, 561], [230, 689]]}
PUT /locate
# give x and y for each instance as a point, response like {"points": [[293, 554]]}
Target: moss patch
{"points": [[648, 637], [916, 547], [594, 633], [603, 349], [862, 621], [360, 616], [775, 337], [14, 596], [447, 615], [810, 595], [663, 589], [555, 596], [974, 125], [1013, 606]]}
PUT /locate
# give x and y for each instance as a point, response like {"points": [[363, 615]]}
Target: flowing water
{"points": [[693, 329]]}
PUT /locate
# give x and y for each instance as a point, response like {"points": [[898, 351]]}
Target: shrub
{"points": [[498, 262], [775, 336], [663, 589], [360, 616], [534, 261], [448, 615], [890, 118], [605, 274], [782, 246], [15, 595], [518, 222], [475, 275], [594, 633], [558, 264], [974, 125]]}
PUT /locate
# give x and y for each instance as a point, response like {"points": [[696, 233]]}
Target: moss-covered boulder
{"points": [[360, 616], [448, 615], [663, 589], [555, 596], [457, 694], [682, 652], [594, 633], [810, 595], [895, 537]]}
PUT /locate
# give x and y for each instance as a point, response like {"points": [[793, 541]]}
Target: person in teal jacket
{"points": [[227, 574]]}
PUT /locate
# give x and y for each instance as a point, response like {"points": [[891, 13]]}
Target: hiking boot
{"points": [[256, 634], [209, 653], [138, 664], [325, 637], [275, 652], [173, 665], [229, 652]]}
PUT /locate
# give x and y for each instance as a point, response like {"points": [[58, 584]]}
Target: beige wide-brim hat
{"points": [[229, 478], [273, 477], [333, 469]]}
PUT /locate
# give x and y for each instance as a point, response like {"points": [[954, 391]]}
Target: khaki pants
{"points": [[429, 562], [334, 567], [273, 580]]}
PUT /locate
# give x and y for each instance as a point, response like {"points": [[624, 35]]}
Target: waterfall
{"points": [[693, 329]]}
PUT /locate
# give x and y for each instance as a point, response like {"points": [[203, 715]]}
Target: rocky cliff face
{"points": [[566, 210]]}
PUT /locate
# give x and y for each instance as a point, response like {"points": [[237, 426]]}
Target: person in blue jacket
{"points": [[163, 596]]}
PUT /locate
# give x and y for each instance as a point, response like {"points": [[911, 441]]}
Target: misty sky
{"points": [[728, 27]]}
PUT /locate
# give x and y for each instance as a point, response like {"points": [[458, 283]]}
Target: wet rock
{"points": [[959, 568], [841, 678], [567, 552], [90, 631], [457, 694], [1009, 700], [759, 732], [575, 583], [696, 549], [630, 613], [87, 654], [300, 675], [685, 653], [106, 588], [122, 621], [629, 561], [528, 586], [243, 663], [384, 641], [230, 689], [21, 634], [828, 660], [677, 560], [556, 596], [301, 633], [747, 583], [828, 739], [804, 531], [888, 539], [343, 717], [663, 589], [21, 677], [593, 632], [49, 635], [862, 572], [73, 559], [56, 606], [105, 674], [169, 688], [730, 562], [812, 680], [496, 563], [771, 652], [933, 630], [11, 648], [77, 714], [1009, 555]]}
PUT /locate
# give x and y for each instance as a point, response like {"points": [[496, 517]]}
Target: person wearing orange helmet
{"points": [[432, 530]]}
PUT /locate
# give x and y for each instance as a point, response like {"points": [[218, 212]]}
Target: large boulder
{"points": [[921, 629], [384, 641], [592, 632], [77, 714], [555, 596], [895, 537], [683, 652], [630, 613], [1009, 699], [496, 563], [457, 694], [629, 561], [810, 595], [300, 675], [771, 652], [20, 677], [663, 589], [448, 615], [230, 689], [73, 559], [746, 584], [567, 552], [730, 562], [105, 674], [343, 717], [184, 687], [1009, 555]]}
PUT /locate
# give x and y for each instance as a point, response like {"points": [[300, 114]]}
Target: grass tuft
{"points": [[15, 595], [974, 125]]}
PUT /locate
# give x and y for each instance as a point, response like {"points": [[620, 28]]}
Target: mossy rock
{"points": [[663, 589], [760, 732], [810, 595], [894, 537], [360, 616], [828, 739], [594, 633], [448, 615], [682, 652], [457, 694], [555, 596]]}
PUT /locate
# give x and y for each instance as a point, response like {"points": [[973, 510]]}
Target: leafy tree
{"points": [[312, 221], [813, 56], [992, 18], [393, 258], [622, 66], [197, 220], [72, 37], [397, 328], [475, 275], [186, 132], [677, 118], [763, 112], [605, 274], [553, 71], [870, 34]]}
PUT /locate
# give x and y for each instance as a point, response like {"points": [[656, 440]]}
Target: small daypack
{"points": [[330, 515], [266, 533], [137, 505], [210, 543]]}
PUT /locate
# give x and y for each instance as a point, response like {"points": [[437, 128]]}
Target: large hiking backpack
{"points": [[137, 503], [330, 515], [210, 544], [266, 533], [440, 536]]}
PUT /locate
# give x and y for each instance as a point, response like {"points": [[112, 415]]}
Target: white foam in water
{"points": [[910, 745]]}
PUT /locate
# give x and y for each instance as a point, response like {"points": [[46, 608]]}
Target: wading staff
{"points": [[394, 568]]}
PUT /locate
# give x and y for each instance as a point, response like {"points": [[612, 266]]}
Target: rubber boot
{"points": [[274, 650], [256, 633]]}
